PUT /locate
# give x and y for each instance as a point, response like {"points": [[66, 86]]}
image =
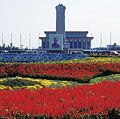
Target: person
{"points": [[55, 43]]}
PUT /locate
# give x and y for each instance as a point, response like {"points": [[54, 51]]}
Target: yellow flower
{"points": [[31, 88], [64, 81], [2, 87], [38, 81], [46, 83], [54, 83], [16, 87], [37, 86], [63, 84], [1, 80]]}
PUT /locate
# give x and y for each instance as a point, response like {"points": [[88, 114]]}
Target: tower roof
{"points": [[60, 7]]}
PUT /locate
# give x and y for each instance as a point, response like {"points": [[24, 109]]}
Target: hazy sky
{"points": [[37, 16]]}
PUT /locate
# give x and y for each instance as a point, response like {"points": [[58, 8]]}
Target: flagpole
{"points": [[11, 41], [29, 40], [2, 39], [20, 40], [101, 40], [38, 41], [110, 38]]}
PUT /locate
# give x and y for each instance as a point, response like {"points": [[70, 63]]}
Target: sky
{"points": [[37, 16]]}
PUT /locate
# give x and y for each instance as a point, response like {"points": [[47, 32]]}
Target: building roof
{"points": [[71, 37], [68, 31]]}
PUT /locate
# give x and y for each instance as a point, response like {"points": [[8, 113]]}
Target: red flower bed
{"points": [[76, 102], [77, 71]]}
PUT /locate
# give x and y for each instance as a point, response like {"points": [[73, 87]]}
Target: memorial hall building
{"points": [[72, 40]]}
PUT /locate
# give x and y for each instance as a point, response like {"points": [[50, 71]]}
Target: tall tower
{"points": [[60, 19]]}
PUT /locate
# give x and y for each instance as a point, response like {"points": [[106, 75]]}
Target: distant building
{"points": [[72, 40]]}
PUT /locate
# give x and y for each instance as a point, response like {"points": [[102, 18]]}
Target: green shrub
{"points": [[98, 79], [113, 77], [17, 82]]}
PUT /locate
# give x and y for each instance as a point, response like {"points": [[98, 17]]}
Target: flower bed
{"points": [[99, 100], [86, 101], [81, 72], [30, 83], [14, 57]]}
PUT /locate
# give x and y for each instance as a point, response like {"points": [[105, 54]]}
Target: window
{"points": [[47, 44], [43, 44], [75, 44], [88, 45], [71, 44], [79, 44], [84, 45]]}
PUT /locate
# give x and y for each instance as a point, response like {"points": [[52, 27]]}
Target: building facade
{"points": [[75, 40]]}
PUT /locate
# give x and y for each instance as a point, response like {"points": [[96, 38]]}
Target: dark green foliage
{"points": [[114, 114], [17, 82]]}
